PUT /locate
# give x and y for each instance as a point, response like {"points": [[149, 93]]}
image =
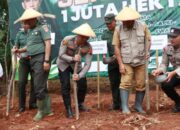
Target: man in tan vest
{"points": [[131, 39]]}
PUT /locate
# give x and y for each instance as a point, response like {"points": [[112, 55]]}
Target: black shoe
{"points": [[176, 109], [69, 113], [32, 106], [82, 107], [21, 109], [113, 107]]}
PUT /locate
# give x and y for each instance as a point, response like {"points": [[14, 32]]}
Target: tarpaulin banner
{"points": [[159, 15]]}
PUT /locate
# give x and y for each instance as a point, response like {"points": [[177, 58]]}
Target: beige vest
{"points": [[133, 44]]}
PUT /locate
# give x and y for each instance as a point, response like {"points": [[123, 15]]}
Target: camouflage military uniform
{"points": [[24, 70], [170, 55], [113, 70], [65, 63]]}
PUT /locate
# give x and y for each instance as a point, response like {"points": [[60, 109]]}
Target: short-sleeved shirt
{"points": [[171, 55], [21, 39], [36, 38], [108, 35]]}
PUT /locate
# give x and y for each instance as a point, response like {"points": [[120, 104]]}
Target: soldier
{"points": [[171, 54], [113, 67], [39, 49], [69, 47], [131, 39], [24, 70]]}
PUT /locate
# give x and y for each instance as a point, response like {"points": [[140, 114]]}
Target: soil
{"points": [[95, 119]]}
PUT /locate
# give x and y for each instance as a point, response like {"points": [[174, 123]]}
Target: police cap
{"points": [[174, 32]]}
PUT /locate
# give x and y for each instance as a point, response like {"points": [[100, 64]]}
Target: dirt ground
{"points": [[95, 119]]}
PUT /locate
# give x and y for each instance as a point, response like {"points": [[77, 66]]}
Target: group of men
{"points": [[128, 48]]}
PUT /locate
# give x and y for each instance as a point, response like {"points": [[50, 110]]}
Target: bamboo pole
{"points": [[75, 89], [157, 86], [98, 77]]}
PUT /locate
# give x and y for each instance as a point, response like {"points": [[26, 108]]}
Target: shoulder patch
{"points": [[65, 42], [45, 27]]}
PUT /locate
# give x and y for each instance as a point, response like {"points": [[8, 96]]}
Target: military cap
{"points": [[109, 18], [174, 32]]}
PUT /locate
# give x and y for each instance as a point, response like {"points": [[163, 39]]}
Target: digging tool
{"points": [[14, 62], [157, 86], [147, 77], [75, 89]]}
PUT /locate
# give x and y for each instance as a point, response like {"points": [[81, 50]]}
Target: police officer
{"points": [[171, 54], [39, 49], [113, 67], [24, 70], [68, 56], [130, 40]]}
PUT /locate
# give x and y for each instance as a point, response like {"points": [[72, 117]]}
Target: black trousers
{"points": [[115, 78], [65, 86], [169, 89], [24, 71], [40, 76]]}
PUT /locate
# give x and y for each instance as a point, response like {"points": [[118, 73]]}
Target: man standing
{"points": [[39, 49], [24, 70], [171, 54], [68, 56], [113, 67], [131, 39]]}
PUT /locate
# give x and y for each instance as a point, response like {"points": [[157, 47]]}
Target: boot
{"points": [[40, 113], [22, 99], [138, 101], [67, 104], [124, 94], [82, 107], [47, 106]]}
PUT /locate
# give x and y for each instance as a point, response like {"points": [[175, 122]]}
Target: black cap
{"points": [[174, 32], [109, 18]]}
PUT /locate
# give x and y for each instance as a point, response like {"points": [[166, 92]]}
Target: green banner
{"points": [[159, 15]]}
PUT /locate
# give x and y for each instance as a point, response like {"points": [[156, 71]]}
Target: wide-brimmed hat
{"points": [[174, 32], [85, 30], [29, 14], [127, 13]]}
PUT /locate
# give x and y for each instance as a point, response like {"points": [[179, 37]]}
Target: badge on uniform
{"points": [[45, 28], [65, 42]]}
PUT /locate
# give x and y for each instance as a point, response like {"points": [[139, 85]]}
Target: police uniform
{"points": [[65, 63], [113, 67], [132, 43], [172, 55], [24, 70]]}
